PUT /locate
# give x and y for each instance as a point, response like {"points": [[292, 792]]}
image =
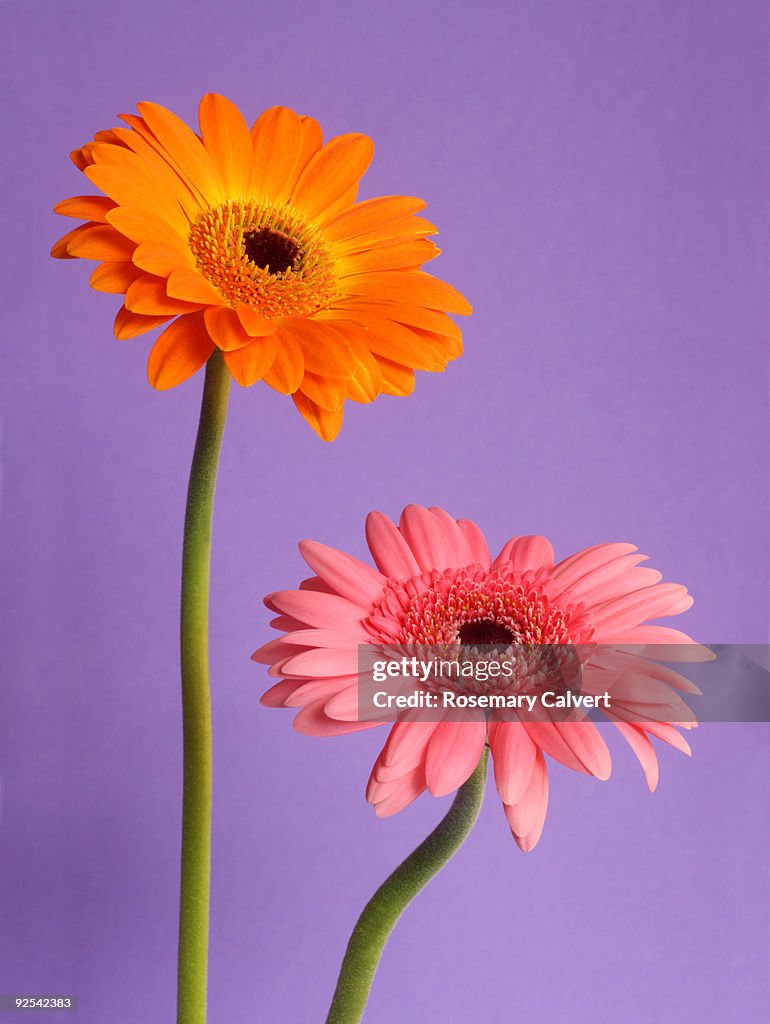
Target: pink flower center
{"points": [[477, 607]]}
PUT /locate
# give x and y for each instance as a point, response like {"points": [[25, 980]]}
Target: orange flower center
{"points": [[266, 256], [272, 250]]}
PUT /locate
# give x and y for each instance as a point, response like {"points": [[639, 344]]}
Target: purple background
{"points": [[599, 175]]}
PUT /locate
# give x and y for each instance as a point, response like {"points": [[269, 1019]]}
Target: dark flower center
{"points": [[271, 250], [485, 631]]}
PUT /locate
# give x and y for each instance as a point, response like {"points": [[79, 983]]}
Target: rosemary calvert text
{"points": [[487, 701]]}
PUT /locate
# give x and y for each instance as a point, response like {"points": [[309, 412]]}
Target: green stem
{"points": [[196, 701], [386, 906]]}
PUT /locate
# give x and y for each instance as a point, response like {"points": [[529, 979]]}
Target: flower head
{"points": [[250, 240], [436, 584]]}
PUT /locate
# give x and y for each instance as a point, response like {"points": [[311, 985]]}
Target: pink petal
{"points": [[391, 797], [598, 576], [571, 569], [454, 534], [644, 750], [346, 575], [513, 755], [586, 742], [673, 710], [668, 734], [316, 584], [626, 612], [277, 695], [664, 642], [406, 747], [325, 638], [390, 551], [526, 817], [433, 542], [273, 651], [275, 669], [454, 750], [346, 706], [528, 842], [310, 690], [525, 554], [286, 624], [324, 611], [384, 771], [476, 542], [626, 664], [593, 591], [312, 721], [637, 688], [324, 661], [547, 737]]}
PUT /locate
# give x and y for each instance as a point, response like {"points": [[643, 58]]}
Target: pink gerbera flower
{"points": [[436, 583]]}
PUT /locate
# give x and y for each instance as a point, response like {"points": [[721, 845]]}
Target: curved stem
{"points": [[394, 895], [196, 702]]}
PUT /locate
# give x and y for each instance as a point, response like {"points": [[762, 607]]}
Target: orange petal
{"points": [[179, 352], [394, 341], [226, 136], [115, 278], [60, 249], [365, 381], [370, 215], [132, 181], [325, 351], [312, 140], [124, 189], [449, 347], [101, 242], [410, 286], [226, 330], [250, 364], [162, 260], [344, 202], [396, 379], [277, 140], [327, 392], [326, 424], [147, 295], [131, 325], [186, 151], [386, 234], [288, 369], [140, 140], [86, 154], [256, 325], [404, 313], [143, 226], [79, 159], [399, 256], [107, 135], [333, 170], [190, 286], [93, 208]]}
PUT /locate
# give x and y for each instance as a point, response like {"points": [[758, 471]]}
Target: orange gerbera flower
{"points": [[250, 240]]}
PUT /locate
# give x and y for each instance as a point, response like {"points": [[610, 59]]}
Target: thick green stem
{"points": [[396, 893], [196, 701]]}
